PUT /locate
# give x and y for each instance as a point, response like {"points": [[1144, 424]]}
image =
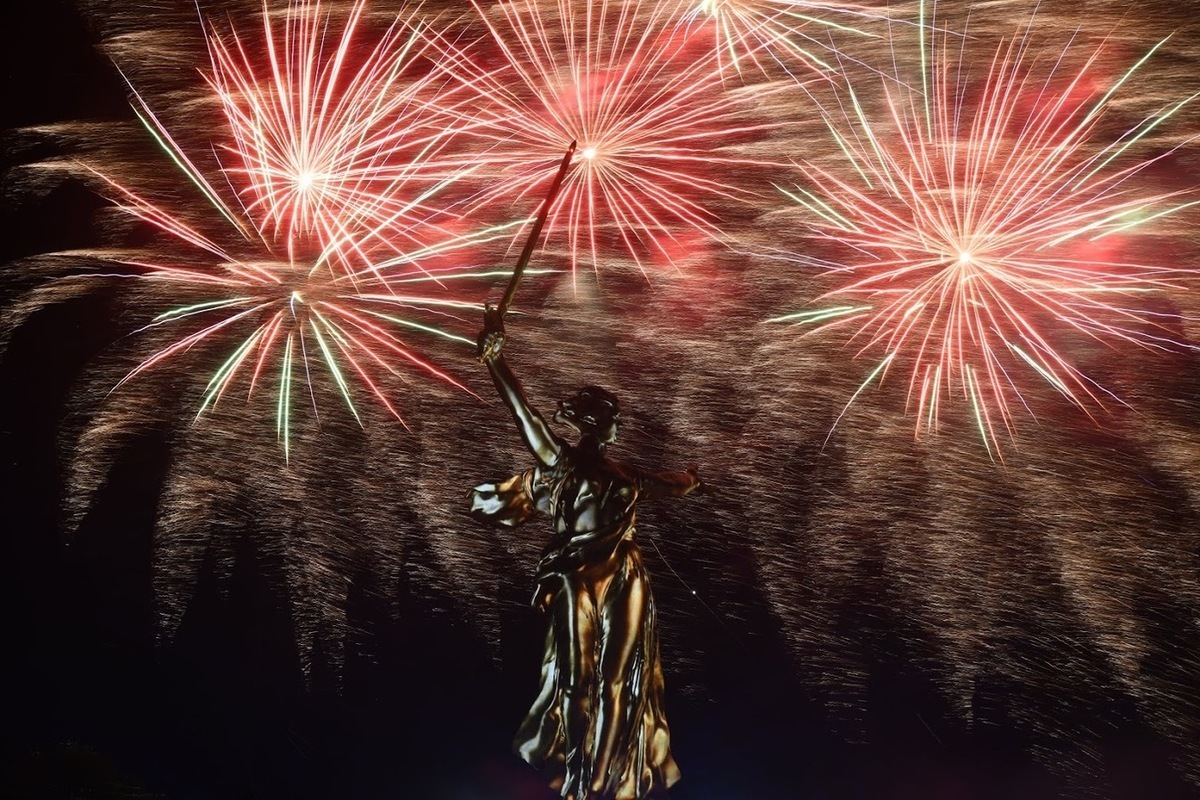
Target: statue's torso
{"points": [[591, 502], [585, 498]]}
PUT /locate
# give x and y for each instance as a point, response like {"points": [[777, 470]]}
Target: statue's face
{"points": [[591, 411]]}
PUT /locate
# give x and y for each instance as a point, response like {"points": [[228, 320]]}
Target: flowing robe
{"points": [[597, 724]]}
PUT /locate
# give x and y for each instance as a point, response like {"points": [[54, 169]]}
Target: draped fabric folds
{"points": [[595, 592]]}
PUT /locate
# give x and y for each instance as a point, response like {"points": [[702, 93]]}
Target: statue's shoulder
{"points": [[621, 472]]}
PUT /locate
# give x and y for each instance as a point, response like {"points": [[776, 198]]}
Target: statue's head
{"points": [[592, 412]]}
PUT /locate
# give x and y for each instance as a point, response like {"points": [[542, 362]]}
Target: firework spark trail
{"points": [[653, 121], [765, 32], [972, 220], [332, 139]]}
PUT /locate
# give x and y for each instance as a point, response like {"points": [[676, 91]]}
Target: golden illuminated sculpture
{"points": [[597, 724]]}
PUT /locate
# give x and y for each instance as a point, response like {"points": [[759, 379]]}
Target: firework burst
{"points": [[765, 32], [287, 317], [327, 286], [331, 139], [658, 134], [987, 224]]}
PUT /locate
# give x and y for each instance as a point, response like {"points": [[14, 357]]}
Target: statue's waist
{"points": [[572, 552]]}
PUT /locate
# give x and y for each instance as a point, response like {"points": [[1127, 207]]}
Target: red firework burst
{"points": [[332, 140], [974, 220], [337, 277], [657, 131]]}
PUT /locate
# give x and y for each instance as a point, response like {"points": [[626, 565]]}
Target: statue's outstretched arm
{"points": [[669, 483], [538, 436]]}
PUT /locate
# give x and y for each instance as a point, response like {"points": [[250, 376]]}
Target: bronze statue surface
{"points": [[598, 723]]}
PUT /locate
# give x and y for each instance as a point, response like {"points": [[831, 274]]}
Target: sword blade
{"points": [[535, 232]]}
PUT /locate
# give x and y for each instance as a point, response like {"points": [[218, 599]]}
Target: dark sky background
{"points": [[184, 616]]}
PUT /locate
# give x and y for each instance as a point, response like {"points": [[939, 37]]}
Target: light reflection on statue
{"points": [[597, 724]]}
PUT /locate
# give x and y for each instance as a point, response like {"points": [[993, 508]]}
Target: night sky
{"points": [[859, 614]]}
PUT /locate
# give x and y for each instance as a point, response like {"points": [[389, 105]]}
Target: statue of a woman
{"points": [[598, 722]]}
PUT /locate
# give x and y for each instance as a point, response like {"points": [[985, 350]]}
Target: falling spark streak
{"points": [[756, 31], [652, 119], [820, 315], [331, 138], [966, 216]]}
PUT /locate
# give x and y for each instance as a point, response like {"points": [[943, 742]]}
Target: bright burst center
{"points": [[305, 181], [589, 153]]}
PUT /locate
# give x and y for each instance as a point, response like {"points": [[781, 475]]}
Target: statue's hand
{"points": [[491, 338], [493, 319]]}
